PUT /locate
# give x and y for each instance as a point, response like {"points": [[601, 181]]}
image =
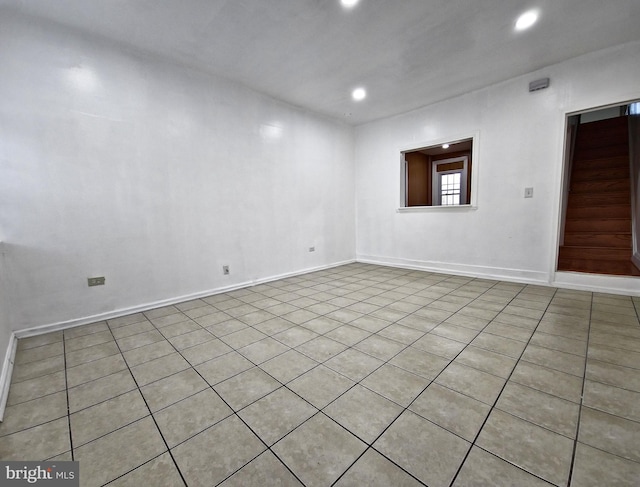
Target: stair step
{"points": [[600, 174], [601, 163], [593, 253], [615, 150], [599, 199], [612, 211], [595, 239], [612, 267], [608, 225], [601, 186]]}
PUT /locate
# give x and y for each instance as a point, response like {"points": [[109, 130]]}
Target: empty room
{"points": [[320, 242]]}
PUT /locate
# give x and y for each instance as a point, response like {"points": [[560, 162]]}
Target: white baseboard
{"points": [[598, 283], [7, 371], [496, 273], [62, 325]]}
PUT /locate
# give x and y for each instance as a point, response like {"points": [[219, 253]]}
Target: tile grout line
{"points": [[584, 381], [66, 390], [150, 414], [493, 407]]}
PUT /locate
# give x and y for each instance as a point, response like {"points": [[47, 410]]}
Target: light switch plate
{"points": [[95, 281], [528, 192]]}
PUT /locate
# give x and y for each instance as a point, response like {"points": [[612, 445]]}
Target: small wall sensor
{"points": [[539, 84]]}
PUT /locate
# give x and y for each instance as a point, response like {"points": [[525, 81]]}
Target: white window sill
{"points": [[429, 209]]}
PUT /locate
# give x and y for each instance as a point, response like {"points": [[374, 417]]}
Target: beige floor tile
{"points": [[191, 339], [94, 370], [547, 380], [159, 472], [38, 353], [379, 347], [322, 325], [487, 361], [610, 433], [498, 344], [367, 323], [178, 329], [482, 469], [374, 470], [554, 359], [246, 387], [39, 340], [348, 335], [396, 384], [418, 323], [288, 366], [84, 341], [264, 470], [149, 352], [159, 368], [320, 386], [321, 348], [230, 440], [508, 331], [471, 382], [613, 400], [130, 330], [273, 326], [451, 410], [400, 333], [38, 443], [555, 342], [319, 451], [276, 414], [354, 364], [614, 375], [139, 340], [263, 350], [205, 351], [87, 355], [433, 455], [551, 412], [363, 412], [172, 389], [110, 456], [437, 345], [182, 420], [36, 369], [34, 388], [220, 320], [420, 363], [295, 336], [542, 453], [99, 390], [454, 332], [612, 355], [103, 418], [33, 413], [470, 322], [595, 468], [160, 312], [223, 367]]}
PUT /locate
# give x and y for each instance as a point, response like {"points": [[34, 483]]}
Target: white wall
{"points": [[117, 164], [520, 145]]}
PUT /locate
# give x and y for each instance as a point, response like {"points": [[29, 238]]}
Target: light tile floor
{"points": [[359, 375]]}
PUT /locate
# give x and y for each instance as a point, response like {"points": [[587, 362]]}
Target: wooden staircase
{"points": [[597, 237]]}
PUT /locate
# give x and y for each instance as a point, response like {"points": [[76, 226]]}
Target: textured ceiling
{"points": [[312, 53]]}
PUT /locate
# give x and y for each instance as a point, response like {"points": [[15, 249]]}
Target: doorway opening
{"points": [[601, 197]]}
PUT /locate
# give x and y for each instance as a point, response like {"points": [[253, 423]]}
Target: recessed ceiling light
{"points": [[526, 20], [349, 3], [445, 146], [359, 94]]}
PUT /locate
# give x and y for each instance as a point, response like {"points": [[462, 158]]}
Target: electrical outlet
{"points": [[312, 249], [95, 281], [528, 192], [225, 270]]}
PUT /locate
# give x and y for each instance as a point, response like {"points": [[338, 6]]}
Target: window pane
{"points": [[450, 189]]}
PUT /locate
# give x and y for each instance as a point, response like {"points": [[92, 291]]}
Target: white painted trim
{"points": [[62, 325], [496, 273], [598, 283], [427, 209], [7, 371]]}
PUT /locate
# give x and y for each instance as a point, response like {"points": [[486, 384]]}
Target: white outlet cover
{"points": [[528, 192]]}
